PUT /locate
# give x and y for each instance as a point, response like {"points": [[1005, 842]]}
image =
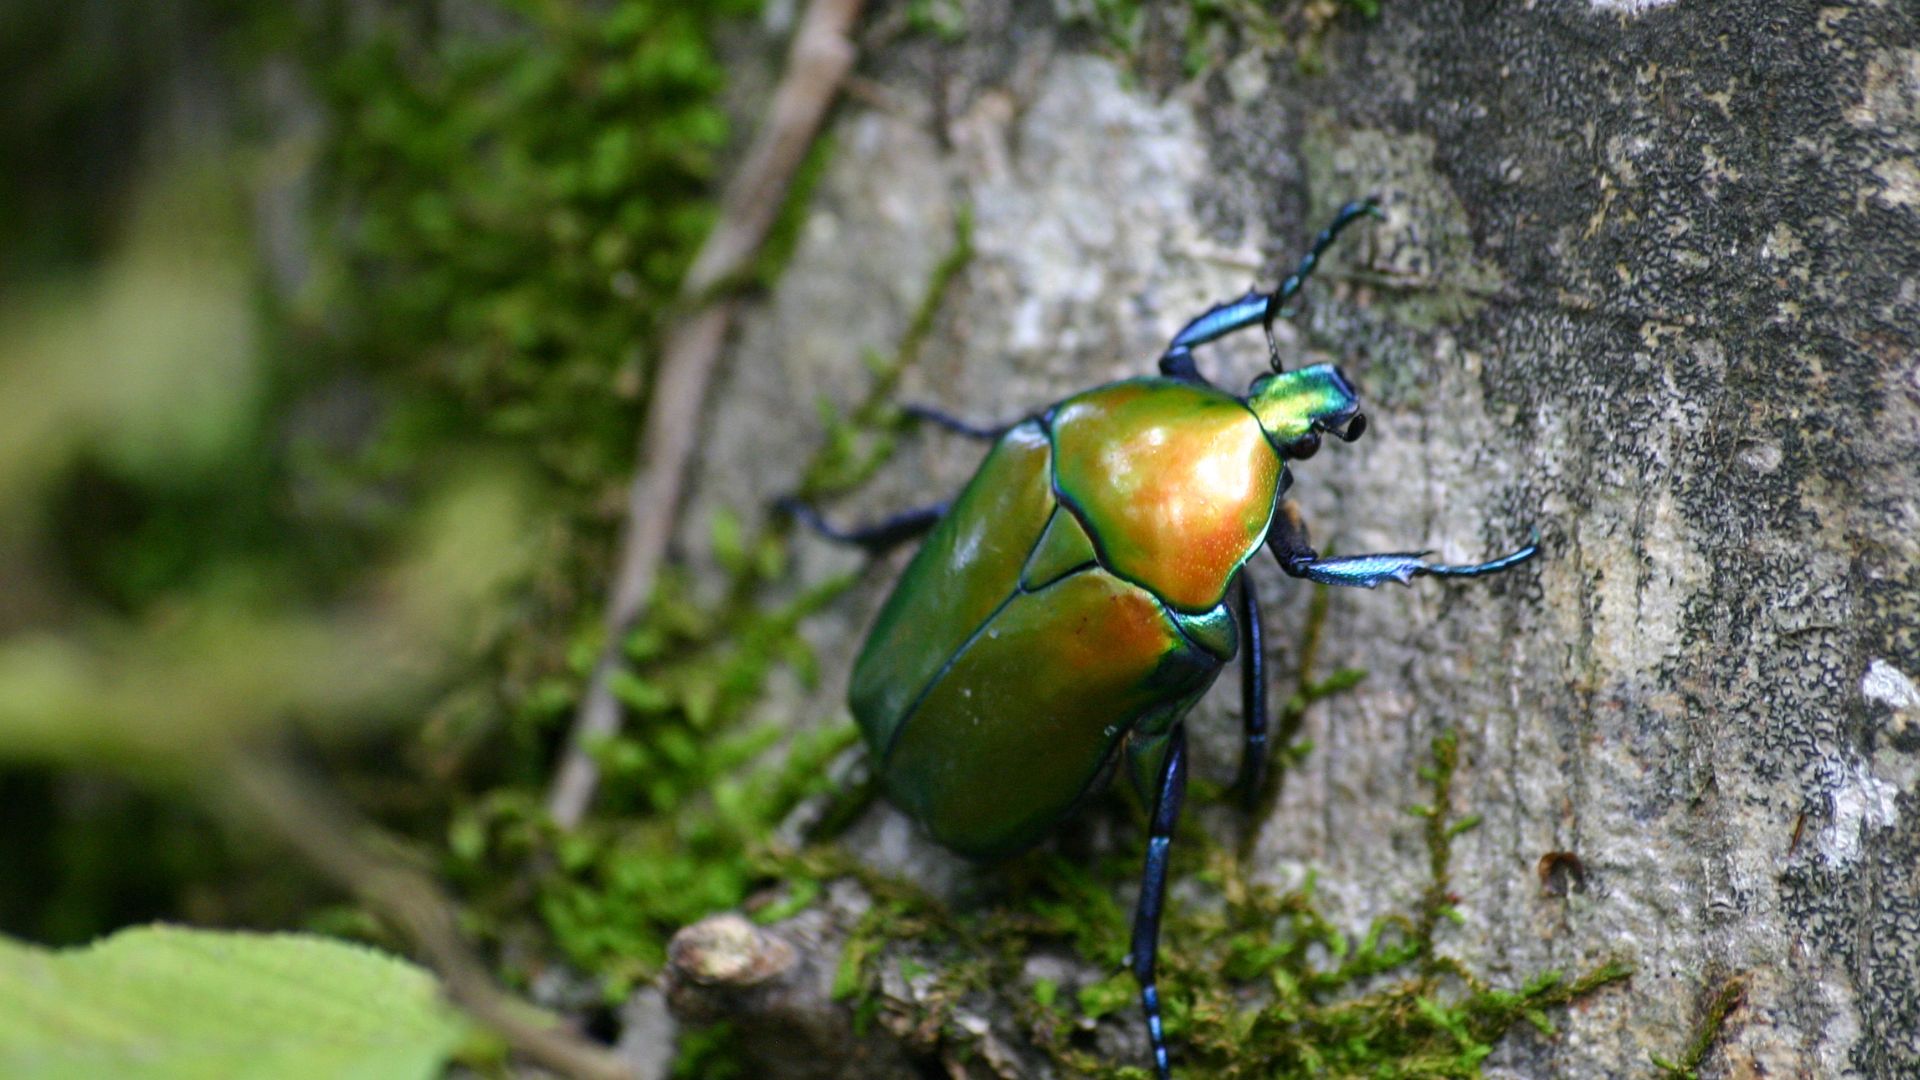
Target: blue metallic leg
{"points": [[955, 424], [876, 539], [1171, 789], [1297, 558], [1366, 571], [1253, 696], [1255, 307]]}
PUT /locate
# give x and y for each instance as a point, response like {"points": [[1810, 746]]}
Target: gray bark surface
{"points": [[1649, 280]]}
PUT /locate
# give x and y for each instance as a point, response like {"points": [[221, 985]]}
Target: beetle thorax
{"points": [[1175, 483]]}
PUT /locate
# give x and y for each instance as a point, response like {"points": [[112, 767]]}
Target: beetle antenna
{"points": [[1277, 301]]}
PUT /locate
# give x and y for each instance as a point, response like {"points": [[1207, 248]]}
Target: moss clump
{"points": [[684, 810], [1387, 1003], [1725, 999], [515, 208], [509, 202], [1202, 28], [1261, 985]]}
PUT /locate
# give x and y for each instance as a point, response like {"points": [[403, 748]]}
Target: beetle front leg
{"points": [[1298, 559], [1256, 307], [1216, 322], [876, 539], [1253, 696], [1170, 790]]}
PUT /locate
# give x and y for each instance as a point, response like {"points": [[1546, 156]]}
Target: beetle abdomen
{"points": [[1011, 735]]}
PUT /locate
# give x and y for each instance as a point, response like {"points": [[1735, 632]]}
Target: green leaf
{"points": [[164, 1002]]}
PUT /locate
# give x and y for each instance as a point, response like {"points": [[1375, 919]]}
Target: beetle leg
{"points": [[1256, 307], [1253, 696], [955, 424], [1367, 571], [1177, 363], [1288, 538], [1216, 322], [1153, 890], [876, 539]]}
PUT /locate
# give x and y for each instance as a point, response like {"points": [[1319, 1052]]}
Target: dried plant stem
{"points": [[821, 56]]}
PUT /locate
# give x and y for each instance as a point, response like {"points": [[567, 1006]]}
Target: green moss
{"points": [[509, 208], [686, 802], [1387, 1003], [1206, 29], [945, 20], [1725, 999], [710, 1053], [514, 211], [862, 440], [1259, 984]]}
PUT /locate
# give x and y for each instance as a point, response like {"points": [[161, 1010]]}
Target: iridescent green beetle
{"points": [[1085, 589]]}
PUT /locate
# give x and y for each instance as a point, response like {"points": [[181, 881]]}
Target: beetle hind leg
{"points": [[1169, 793], [876, 539]]}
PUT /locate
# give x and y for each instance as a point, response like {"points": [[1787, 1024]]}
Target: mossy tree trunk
{"points": [[1649, 280]]}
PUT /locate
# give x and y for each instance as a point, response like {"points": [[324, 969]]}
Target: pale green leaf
{"points": [[169, 1003]]}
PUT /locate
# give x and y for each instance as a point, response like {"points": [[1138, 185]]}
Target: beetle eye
{"points": [[1305, 446], [1355, 428]]}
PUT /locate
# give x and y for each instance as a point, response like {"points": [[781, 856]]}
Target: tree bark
{"points": [[1649, 280]]}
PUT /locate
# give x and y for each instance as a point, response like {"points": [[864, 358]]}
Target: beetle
{"points": [[1088, 585]]}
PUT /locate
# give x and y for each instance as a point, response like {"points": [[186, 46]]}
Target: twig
{"points": [[330, 836], [821, 56]]}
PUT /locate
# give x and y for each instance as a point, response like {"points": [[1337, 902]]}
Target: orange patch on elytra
{"points": [[1132, 629]]}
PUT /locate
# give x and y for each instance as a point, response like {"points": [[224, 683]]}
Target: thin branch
{"points": [[332, 837], [821, 56]]}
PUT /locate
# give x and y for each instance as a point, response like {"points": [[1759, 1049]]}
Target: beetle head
{"points": [[1296, 407]]}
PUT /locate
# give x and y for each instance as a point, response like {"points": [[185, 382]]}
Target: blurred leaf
{"points": [[171, 689], [150, 363], [163, 1002]]}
